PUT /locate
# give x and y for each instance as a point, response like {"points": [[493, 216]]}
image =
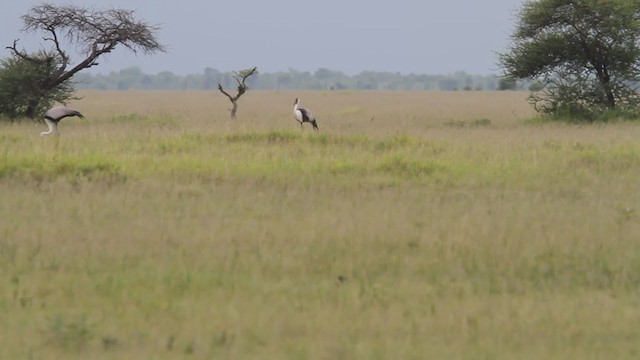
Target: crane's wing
{"points": [[307, 115], [58, 112]]}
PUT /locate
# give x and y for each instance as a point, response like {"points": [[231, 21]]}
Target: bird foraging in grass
{"points": [[55, 114], [304, 115]]}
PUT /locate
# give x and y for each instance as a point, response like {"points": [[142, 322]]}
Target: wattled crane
{"points": [[55, 114], [303, 115]]}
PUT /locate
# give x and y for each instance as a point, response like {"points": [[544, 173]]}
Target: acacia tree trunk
{"points": [[234, 108], [611, 99], [32, 107], [605, 82]]}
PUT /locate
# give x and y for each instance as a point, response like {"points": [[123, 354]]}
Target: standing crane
{"points": [[55, 114], [304, 115]]}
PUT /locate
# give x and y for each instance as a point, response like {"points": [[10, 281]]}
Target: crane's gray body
{"points": [[55, 114], [58, 113]]}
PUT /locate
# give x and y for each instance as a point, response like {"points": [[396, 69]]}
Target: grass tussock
{"points": [[147, 120], [135, 236], [70, 168], [398, 165], [467, 123], [272, 137]]}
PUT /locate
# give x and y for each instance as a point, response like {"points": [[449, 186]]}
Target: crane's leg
{"points": [[56, 143]]}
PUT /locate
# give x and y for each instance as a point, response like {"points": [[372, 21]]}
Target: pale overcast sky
{"points": [[407, 36]]}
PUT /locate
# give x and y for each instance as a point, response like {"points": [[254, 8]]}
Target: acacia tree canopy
{"points": [[585, 52], [90, 32]]}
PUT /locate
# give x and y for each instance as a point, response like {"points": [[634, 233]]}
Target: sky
{"points": [[405, 36]]}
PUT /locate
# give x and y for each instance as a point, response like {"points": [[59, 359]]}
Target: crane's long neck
{"points": [[295, 105], [52, 127]]}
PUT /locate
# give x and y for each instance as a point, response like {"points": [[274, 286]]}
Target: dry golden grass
{"points": [[342, 112], [160, 228]]}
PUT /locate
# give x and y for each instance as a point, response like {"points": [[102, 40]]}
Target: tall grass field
{"points": [[413, 225]]}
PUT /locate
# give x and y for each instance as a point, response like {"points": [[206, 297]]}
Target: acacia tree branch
{"points": [[84, 64], [249, 73], [22, 54], [232, 98], [64, 58], [241, 78], [56, 42]]}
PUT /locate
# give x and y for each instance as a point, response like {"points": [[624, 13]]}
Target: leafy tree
{"points": [[93, 32], [507, 84], [240, 77], [21, 85], [584, 52]]}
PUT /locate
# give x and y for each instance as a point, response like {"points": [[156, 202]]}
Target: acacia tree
{"points": [[92, 32], [584, 52], [240, 78]]}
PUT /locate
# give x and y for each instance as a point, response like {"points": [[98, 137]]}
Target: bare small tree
{"points": [[93, 32], [240, 78]]}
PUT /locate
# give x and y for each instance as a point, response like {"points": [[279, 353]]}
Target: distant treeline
{"points": [[322, 79]]}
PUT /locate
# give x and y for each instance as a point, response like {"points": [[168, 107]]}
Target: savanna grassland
{"points": [[418, 225]]}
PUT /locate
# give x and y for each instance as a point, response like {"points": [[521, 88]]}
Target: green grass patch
{"points": [[278, 154], [72, 168]]}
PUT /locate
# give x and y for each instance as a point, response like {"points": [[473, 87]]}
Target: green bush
{"points": [[23, 86]]}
